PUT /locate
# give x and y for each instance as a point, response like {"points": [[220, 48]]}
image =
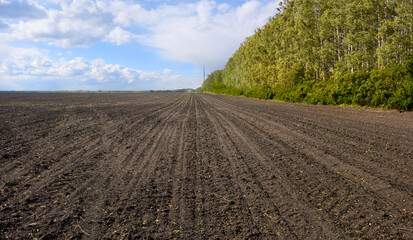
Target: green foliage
{"points": [[264, 92], [388, 87], [214, 77], [326, 52]]}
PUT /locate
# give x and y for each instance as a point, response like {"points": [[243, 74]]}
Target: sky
{"points": [[121, 44]]}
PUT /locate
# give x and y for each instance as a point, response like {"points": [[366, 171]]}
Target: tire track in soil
{"points": [[331, 129], [139, 164], [287, 209], [77, 167], [217, 208], [378, 170], [69, 149], [183, 190], [256, 197], [139, 155], [381, 184], [199, 166], [333, 164]]}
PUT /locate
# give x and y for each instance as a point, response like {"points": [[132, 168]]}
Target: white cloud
{"points": [[223, 7], [207, 37], [167, 71], [119, 36], [127, 13], [3, 24], [204, 11], [76, 25], [32, 66], [20, 61], [22, 9], [204, 33]]}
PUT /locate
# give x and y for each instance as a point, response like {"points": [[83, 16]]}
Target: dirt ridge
{"points": [[201, 166]]}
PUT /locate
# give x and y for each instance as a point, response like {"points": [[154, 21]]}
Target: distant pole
{"points": [[204, 79]]}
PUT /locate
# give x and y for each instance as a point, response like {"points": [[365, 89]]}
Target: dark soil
{"points": [[198, 166]]}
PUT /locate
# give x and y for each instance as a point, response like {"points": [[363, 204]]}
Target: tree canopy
{"points": [[325, 52]]}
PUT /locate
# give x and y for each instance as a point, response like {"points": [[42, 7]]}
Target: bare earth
{"points": [[199, 166]]}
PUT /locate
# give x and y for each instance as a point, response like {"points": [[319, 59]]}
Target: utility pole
{"points": [[204, 79]]}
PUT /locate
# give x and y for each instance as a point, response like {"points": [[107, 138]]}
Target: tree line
{"points": [[327, 52]]}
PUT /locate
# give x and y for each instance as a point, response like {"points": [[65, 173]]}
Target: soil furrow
{"points": [[312, 152], [266, 173], [201, 166]]}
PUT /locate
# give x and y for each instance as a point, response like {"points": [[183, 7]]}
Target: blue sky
{"points": [[121, 44]]}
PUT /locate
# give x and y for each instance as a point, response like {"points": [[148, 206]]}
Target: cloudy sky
{"points": [[121, 44]]}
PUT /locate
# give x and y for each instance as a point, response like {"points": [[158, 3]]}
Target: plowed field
{"points": [[199, 166]]}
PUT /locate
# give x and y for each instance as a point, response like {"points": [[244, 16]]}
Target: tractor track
{"points": [[201, 166]]}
